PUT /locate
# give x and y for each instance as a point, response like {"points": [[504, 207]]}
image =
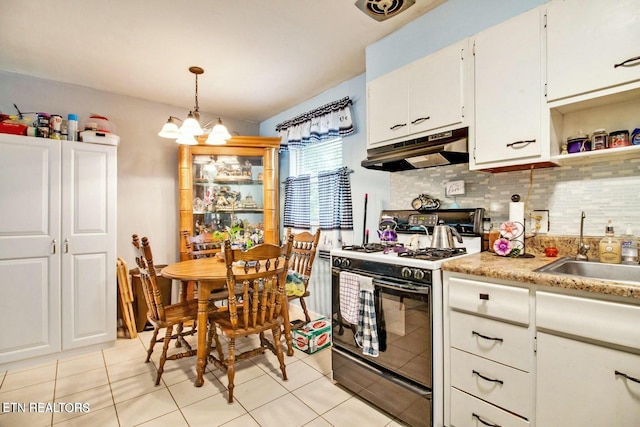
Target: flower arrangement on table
{"points": [[509, 243]]}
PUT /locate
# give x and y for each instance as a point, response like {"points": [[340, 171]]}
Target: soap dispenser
{"points": [[610, 248], [629, 244]]}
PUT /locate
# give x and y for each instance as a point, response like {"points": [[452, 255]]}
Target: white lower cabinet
{"points": [[574, 363], [584, 377], [489, 353], [57, 246]]}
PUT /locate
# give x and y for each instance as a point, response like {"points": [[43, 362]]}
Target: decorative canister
{"points": [[578, 143], [599, 139], [619, 138]]}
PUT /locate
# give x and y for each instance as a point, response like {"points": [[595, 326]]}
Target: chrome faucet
{"points": [[582, 248]]}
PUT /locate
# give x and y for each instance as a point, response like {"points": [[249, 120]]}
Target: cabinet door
{"points": [[577, 384], [387, 108], [509, 93], [436, 88], [29, 247], [585, 41], [88, 244]]}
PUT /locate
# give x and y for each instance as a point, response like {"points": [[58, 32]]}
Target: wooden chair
{"points": [[258, 309], [303, 252], [200, 250], [161, 315], [125, 298], [205, 250]]}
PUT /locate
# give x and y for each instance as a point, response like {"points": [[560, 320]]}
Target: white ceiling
{"points": [[260, 57]]}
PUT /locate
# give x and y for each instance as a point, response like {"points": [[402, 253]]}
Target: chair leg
{"points": [[231, 368], [304, 308], [278, 346], [152, 344], [179, 339], [163, 358]]}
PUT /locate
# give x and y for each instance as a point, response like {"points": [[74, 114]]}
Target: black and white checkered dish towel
{"points": [[367, 334]]}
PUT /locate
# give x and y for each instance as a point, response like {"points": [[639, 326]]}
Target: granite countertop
{"points": [[520, 269]]}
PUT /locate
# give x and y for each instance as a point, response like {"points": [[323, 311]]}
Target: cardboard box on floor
{"points": [[312, 337]]}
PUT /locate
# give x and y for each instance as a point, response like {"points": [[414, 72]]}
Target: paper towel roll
{"points": [[516, 214]]}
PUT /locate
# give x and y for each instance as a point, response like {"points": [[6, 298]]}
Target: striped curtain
{"points": [[334, 187], [328, 122], [297, 206]]}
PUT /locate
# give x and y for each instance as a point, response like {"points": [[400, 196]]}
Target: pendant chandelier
{"points": [[190, 129]]}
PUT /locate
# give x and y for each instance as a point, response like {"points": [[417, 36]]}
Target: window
{"points": [[311, 159]]}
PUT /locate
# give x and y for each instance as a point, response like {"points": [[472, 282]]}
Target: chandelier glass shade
{"points": [[190, 129]]}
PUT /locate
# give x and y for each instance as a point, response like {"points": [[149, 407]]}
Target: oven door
{"points": [[403, 317]]}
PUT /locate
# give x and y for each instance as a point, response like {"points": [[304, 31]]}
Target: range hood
{"points": [[445, 148]]}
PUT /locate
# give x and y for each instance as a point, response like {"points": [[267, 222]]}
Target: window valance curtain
{"points": [[330, 121]]}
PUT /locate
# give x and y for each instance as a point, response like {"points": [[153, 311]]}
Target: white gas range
{"points": [[407, 283]]}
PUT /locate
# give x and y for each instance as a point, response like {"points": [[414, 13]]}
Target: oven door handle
{"points": [[411, 387], [420, 290]]}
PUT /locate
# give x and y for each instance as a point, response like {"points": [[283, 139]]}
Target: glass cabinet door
{"points": [[228, 198], [229, 192]]}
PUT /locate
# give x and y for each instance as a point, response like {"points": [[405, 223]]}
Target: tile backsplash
{"points": [[603, 190]]}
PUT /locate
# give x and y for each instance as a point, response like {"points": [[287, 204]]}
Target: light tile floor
{"points": [[114, 387]]}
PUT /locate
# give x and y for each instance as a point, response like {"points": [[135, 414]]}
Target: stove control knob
{"points": [[336, 262], [346, 263], [406, 273], [418, 274]]}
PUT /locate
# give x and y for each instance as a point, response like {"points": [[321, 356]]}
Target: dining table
{"points": [[209, 274]]}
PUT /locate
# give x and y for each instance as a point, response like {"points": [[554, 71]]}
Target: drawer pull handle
{"points": [[629, 377], [483, 421], [484, 297], [398, 126], [420, 120], [518, 143], [486, 337], [624, 63], [487, 378]]}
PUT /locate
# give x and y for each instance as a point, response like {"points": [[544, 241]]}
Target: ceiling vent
{"points": [[381, 10]]}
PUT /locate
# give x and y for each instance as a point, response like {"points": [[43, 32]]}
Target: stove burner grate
{"points": [[369, 247], [433, 254]]}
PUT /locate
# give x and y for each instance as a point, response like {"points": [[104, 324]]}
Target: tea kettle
{"points": [[388, 236], [442, 237]]}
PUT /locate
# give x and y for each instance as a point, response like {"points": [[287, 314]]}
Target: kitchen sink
{"points": [[569, 266]]}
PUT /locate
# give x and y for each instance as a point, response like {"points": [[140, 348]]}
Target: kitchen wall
{"points": [[147, 164]]}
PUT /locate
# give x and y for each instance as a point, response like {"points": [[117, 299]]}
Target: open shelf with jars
{"points": [[229, 191]]}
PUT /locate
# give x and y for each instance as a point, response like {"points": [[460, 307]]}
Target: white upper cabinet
{"points": [[592, 45], [426, 95], [509, 94]]}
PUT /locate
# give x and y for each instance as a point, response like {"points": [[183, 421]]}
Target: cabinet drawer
{"points": [[498, 384], [501, 342], [496, 301], [467, 411], [599, 320]]}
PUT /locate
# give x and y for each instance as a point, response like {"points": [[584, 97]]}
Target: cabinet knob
{"points": [[53, 249], [66, 245]]}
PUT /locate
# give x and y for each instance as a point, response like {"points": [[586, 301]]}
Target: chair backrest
{"points": [[152, 294], [196, 249], [303, 252], [262, 279]]}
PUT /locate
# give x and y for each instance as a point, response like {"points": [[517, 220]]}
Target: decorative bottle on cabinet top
{"points": [[610, 248]]}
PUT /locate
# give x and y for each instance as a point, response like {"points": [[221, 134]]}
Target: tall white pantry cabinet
{"points": [[57, 246]]}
